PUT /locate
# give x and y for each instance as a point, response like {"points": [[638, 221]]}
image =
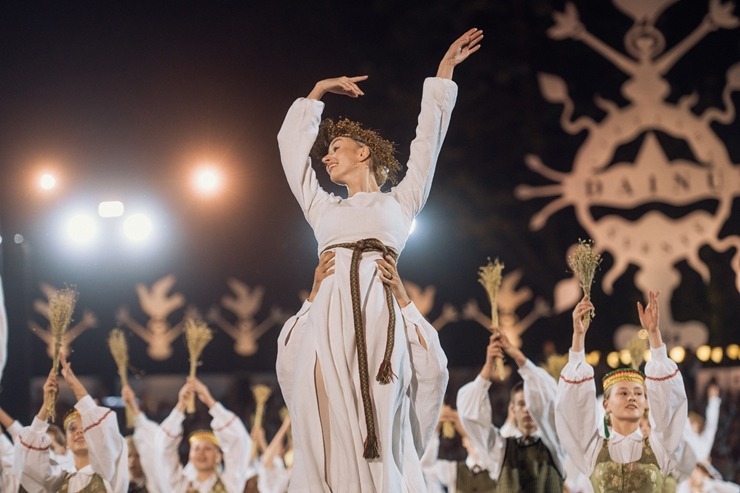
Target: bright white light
{"points": [[413, 226], [137, 227], [47, 181], [18, 238], [208, 180], [111, 208], [81, 229]]}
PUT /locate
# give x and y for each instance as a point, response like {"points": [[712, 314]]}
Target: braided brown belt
{"points": [[385, 372]]}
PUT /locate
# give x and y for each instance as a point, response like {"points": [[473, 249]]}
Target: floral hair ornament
{"points": [[386, 166], [203, 435], [71, 415]]}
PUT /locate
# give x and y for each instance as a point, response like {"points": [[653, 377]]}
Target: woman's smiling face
{"points": [[343, 160]]}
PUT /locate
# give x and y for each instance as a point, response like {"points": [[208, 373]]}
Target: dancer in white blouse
{"points": [[531, 460], [100, 452], [229, 441], [356, 349], [145, 472], [626, 461]]}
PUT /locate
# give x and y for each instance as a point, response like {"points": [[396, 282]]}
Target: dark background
{"points": [[126, 97]]}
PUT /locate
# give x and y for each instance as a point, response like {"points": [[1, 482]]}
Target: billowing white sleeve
{"points": [[429, 375], [8, 480], [474, 410], [236, 446], [289, 346], [32, 463], [540, 390], [575, 413], [13, 430], [702, 443], [107, 448], [3, 330], [169, 438], [146, 439], [437, 102], [295, 140], [668, 405]]}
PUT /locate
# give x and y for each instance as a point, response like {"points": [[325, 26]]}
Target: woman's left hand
{"points": [[649, 317], [459, 51], [389, 275]]}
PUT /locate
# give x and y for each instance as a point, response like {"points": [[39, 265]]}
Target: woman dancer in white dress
{"points": [[353, 425]]}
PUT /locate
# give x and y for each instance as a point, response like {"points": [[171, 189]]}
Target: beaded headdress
{"points": [[203, 435], [386, 166], [71, 415], [622, 375]]}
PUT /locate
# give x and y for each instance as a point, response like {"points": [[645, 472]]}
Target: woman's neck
{"points": [[364, 184], [625, 427], [201, 476], [81, 460]]}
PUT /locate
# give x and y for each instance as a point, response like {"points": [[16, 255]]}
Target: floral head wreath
{"points": [[386, 166]]}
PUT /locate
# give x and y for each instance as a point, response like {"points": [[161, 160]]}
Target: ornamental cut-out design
{"points": [[654, 242]]}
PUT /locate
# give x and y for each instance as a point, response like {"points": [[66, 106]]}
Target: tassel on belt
{"points": [[385, 372]]}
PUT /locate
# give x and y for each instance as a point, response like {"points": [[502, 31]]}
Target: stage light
{"points": [[733, 351], [110, 208], [647, 356], [81, 229], [717, 354], [625, 357], [593, 358], [47, 181], [208, 180], [18, 238], [612, 359], [703, 353], [137, 227], [677, 354]]}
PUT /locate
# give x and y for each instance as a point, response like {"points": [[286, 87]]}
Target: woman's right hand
{"points": [[345, 86], [322, 271], [51, 389], [580, 321]]}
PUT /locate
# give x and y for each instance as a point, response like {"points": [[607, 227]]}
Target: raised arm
{"points": [[540, 391], [107, 448], [665, 388], [346, 86], [575, 403], [474, 410], [170, 437], [459, 51], [32, 458], [232, 436]]}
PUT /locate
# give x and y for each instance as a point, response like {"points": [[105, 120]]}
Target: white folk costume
{"points": [[701, 443], [622, 463], [327, 360], [8, 480], [503, 457], [108, 453], [146, 439], [235, 444]]}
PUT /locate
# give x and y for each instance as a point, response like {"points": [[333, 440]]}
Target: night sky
{"points": [[123, 99]]}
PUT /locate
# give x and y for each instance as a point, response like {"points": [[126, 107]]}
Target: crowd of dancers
{"points": [[363, 374]]}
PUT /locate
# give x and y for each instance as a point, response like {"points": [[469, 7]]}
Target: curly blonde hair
{"points": [[384, 165]]}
